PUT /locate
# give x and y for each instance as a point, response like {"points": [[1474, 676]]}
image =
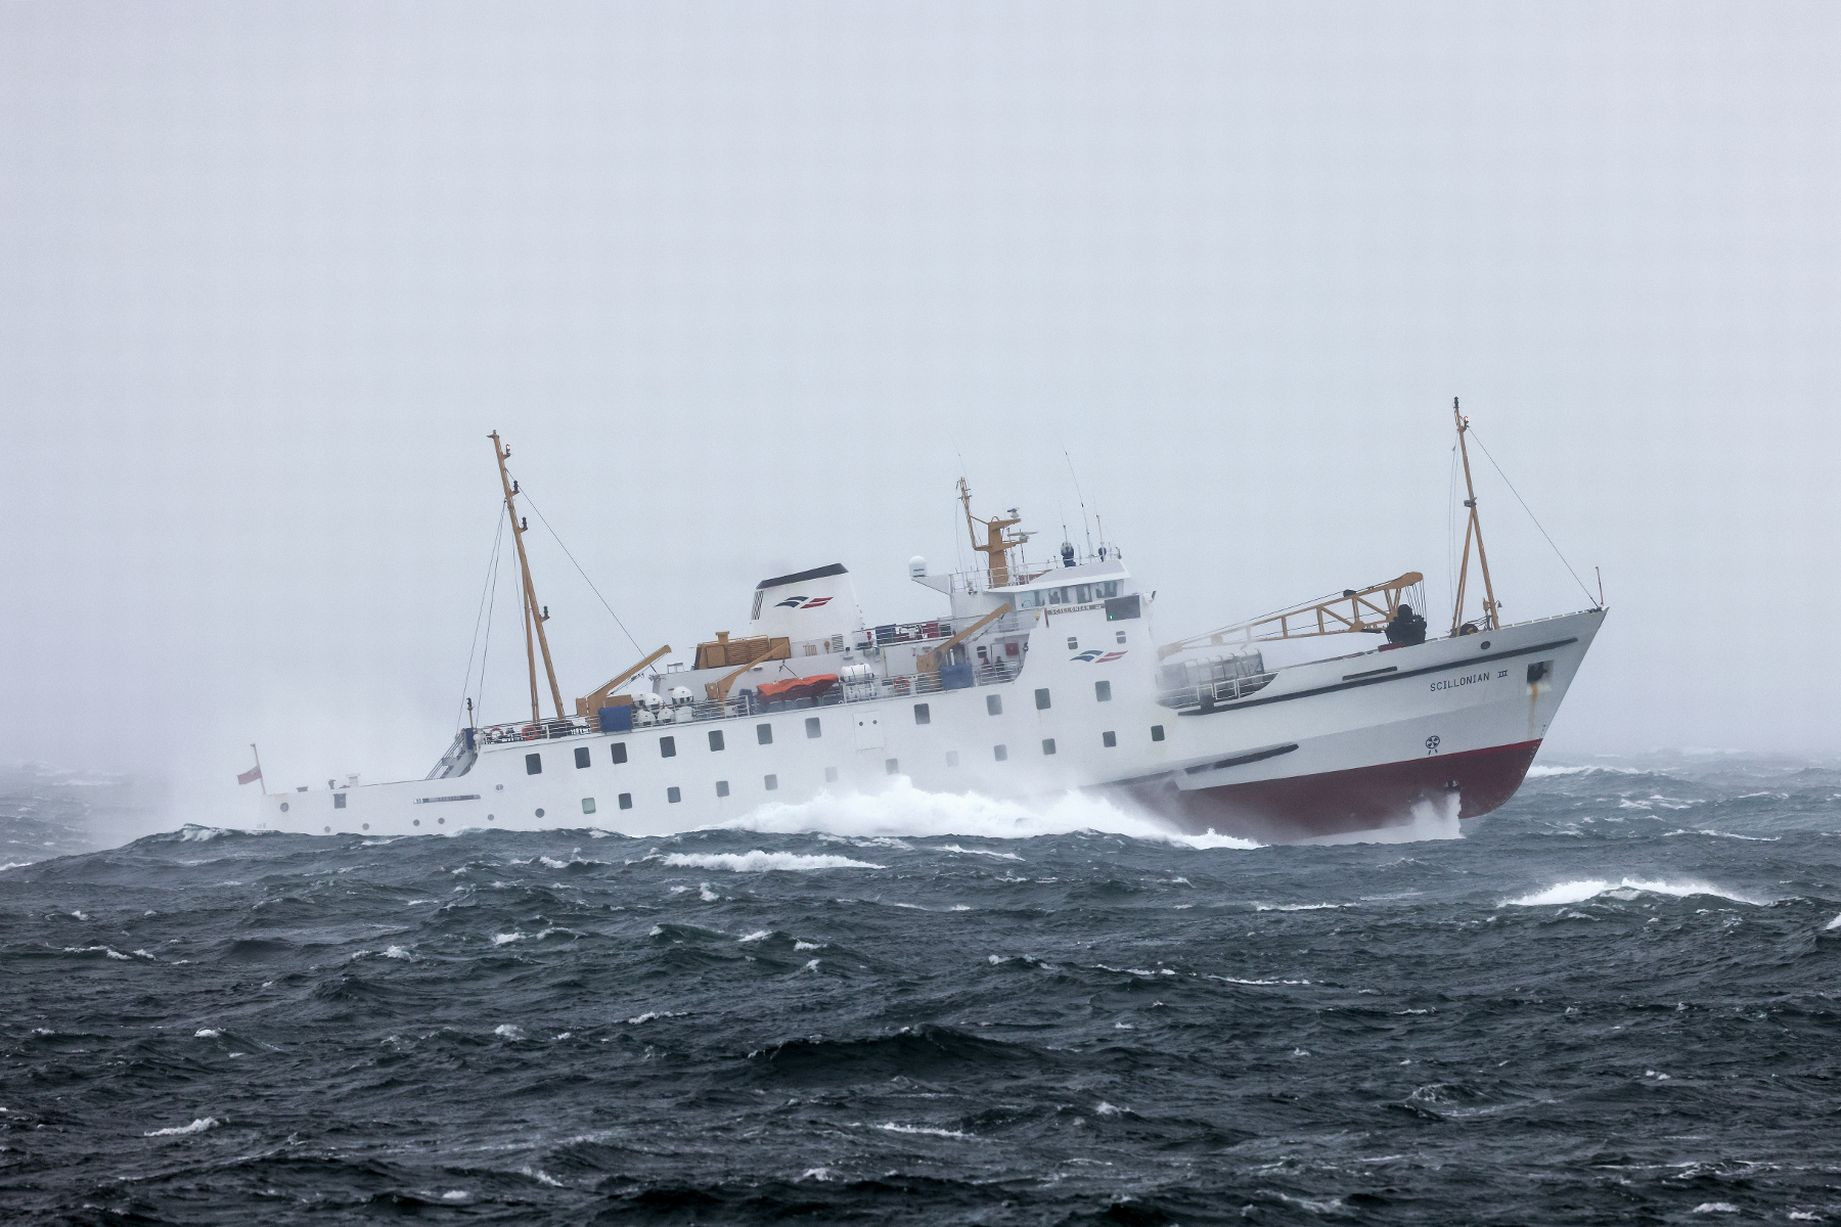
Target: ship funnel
{"points": [[807, 605]]}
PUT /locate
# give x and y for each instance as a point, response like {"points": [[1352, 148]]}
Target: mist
{"points": [[748, 289]]}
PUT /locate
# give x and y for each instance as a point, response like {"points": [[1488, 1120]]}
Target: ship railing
{"points": [[1208, 694]]}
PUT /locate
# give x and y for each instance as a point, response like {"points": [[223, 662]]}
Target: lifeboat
{"points": [[795, 688]]}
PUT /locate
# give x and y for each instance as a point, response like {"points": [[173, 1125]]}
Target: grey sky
{"points": [[743, 284]]}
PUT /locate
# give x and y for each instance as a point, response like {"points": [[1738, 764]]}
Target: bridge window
{"points": [[922, 715], [1156, 732], [1042, 700], [581, 756], [588, 805], [1000, 753], [1109, 739], [994, 704], [626, 800], [715, 740], [722, 788], [763, 733], [618, 752], [667, 747], [813, 729], [533, 764]]}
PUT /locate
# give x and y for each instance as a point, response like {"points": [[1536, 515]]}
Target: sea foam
{"points": [[1580, 889], [759, 861]]}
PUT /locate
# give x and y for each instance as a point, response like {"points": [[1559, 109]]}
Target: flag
{"points": [[250, 776]]}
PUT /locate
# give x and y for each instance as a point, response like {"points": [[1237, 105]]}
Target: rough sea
{"points": [[1618, 999]]}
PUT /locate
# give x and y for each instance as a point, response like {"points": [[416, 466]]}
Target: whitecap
{"points": [[1297, 907], [759, 935], [758, 861], [808, 945], [540, 1176], [1716, 1207], [955, 848], [1833, 924], [205, 1033], [198, 1126], [1581, 889], [508, 1031], [1102, 1108], [649, 1015], [926, 1130]]}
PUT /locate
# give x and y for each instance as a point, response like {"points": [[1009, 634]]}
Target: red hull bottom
{"points": [[1341, 802]]}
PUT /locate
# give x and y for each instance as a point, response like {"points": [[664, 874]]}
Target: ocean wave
{"points": [[198, 1126], [1579, 890], [758, 861]]}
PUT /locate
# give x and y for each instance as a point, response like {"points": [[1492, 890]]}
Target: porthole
{"points": [[498, 788], [364, 826], [329, 830], [1484, 646], [540, 811], [415, 822], [284, 807], [441, 822], [489, 817]]}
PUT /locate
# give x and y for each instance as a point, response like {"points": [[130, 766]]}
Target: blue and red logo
{"points": [[802, 602], [1096, 657]]}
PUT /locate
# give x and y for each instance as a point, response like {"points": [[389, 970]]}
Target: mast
{"points": [[1473, 528], [996, 547], [534, 614]]}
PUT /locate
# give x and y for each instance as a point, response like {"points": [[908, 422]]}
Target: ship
{"points": [[1027, 680]]}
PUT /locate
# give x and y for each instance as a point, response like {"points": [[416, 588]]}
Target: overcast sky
{"points": [[747, 286]]}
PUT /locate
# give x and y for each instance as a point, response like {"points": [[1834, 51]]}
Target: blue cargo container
{"points": [[616, 719]]}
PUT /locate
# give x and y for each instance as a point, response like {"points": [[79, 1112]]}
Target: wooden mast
{"points": [[1473, 528], [996, 548], [534, 614]]}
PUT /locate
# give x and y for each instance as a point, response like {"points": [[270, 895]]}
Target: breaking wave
{"points": [[1581, 889]]}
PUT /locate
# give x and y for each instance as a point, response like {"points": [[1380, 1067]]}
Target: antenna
{"points": [[1083, 502]]}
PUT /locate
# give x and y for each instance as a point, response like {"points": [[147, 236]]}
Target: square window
{"points": [[533, 764], [771, 783], [994, 704], [338, 800], [1048, 745], [626, 800], [1109, 739], [715, 740], [667, 747], [722, 788], [1000, 753], [581, 756], [763, 733], [891, 765], [812, 728], [830, 775], [1073, 644], [1102, 692], [673, 794], [1156, 732], [618, 750], [952, 758], [922, 714], [588, 805], [1042, 700]]}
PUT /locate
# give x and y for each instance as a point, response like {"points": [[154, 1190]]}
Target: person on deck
{"points": [[1406, 629]]}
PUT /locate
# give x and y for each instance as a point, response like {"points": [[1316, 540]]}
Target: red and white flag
{"points": [[250, 776]]}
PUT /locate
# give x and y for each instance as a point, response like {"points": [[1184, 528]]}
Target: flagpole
{"points": [[262, 779]]}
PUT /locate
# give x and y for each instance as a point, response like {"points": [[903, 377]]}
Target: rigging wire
{"points": [[480, 618], [1451, 526], [578, 570], [1536, 519]]}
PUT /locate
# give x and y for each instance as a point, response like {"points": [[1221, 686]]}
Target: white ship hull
{"points": [[1346, 744]]}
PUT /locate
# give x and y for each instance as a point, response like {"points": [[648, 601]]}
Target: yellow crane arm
{"points": [[718, 690], [930, 660], [586, 705], [1354, 610]]}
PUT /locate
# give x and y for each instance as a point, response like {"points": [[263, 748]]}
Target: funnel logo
{"points": [[1096, 657], [802, 602]]}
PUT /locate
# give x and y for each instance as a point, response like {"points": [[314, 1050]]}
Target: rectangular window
{"points": [[533, 764], [1124, 608], [830, 775], [1109, 739], [588, 805], [667, 747], [891, 766], [812, 728], [1118, 636], [673, 795], [952, 758], [581, 756], [1042, 700], [763, 733], [626, 800], [619, 751], [994, 704], [922, 715], [771, 783], [722, 788], [1073, 644], [1156, 732], [715, 740], [1102, 692], [1000, 753], [338, 800], [1048, 745]]}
